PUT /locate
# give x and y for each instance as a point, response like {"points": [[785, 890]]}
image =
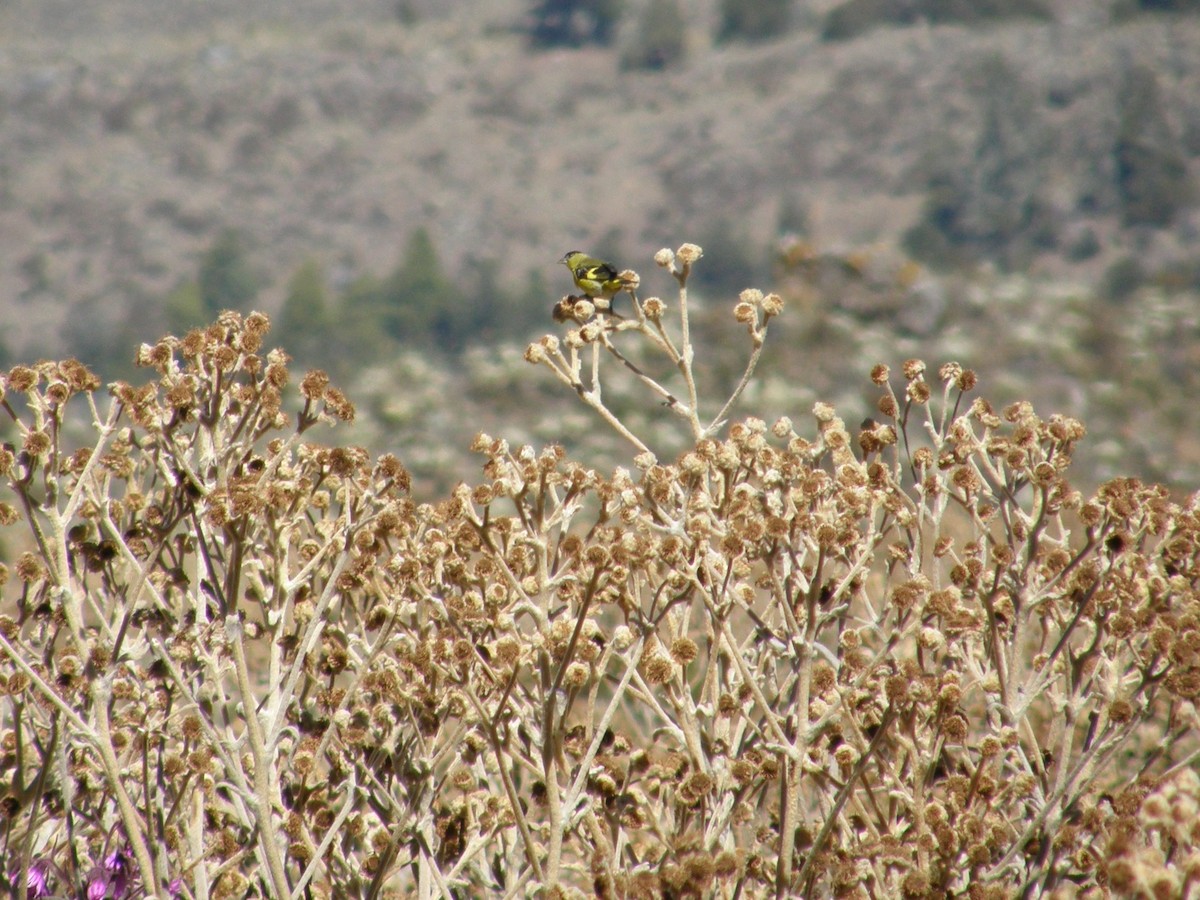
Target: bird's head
{"points": [[571, 257]]}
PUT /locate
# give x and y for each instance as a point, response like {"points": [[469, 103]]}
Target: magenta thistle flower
{"points": [[37, 882], [113, 880]]}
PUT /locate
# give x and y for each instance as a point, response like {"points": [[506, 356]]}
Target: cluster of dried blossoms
{"points": [[909, 662]]}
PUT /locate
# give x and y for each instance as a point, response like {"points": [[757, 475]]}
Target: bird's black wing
{"points": [[597, 271]]}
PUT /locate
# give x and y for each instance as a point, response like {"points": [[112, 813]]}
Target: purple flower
{"points": [[117, 865], [113, 880], [36, 883]]}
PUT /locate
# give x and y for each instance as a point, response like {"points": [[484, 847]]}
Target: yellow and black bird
{"points": [[594, 277]]}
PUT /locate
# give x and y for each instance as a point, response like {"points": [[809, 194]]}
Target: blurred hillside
{"points": [[390, 174]]}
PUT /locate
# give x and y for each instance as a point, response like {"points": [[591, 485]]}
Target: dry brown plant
{"points": [[793, 661]]}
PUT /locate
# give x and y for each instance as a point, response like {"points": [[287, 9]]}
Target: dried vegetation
{"points": [[911, 661]]}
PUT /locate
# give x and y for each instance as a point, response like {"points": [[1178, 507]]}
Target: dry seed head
{"points": [[583, 310], [657, 668], [915, 885], [966, 479], [622, 637], [917, 391], [276, 375], [742, 771], [22, 378], [77, 376], [726, 864], [950, 693], [664, 258], [1121, 711], [684, 650], [598, 556], [932, 639], [1016, 412], [845, 756], [28, 567], [337, 404], [689, 253], [752, 296], [35, 443], [908, 594], [949, 371], [696, 786], [693, 464], [225, 357], [576, 676], [956, 727], [897, 689], [257, 324], [57, 392]]}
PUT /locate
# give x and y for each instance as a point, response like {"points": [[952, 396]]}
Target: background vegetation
{"points": [[394, 186]]}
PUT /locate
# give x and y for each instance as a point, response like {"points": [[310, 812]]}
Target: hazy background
{"points": [[1011, 185]]}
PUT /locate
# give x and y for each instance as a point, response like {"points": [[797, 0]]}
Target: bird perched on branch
{"points": [[594, 277]]}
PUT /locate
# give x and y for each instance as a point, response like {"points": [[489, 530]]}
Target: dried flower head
{"points": [[21, 379]]}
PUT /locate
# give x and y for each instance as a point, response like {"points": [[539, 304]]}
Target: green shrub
{"points": [[753, 20], [1122, 277], [855, 17], [225, 278], [424, 305], [1085, 244], [185, 306], [734, 261], [363, 319], [659, 39], [970, 12], [1152, 174], [558, 23], [304, 322], [988, 202], [1125, 9]]}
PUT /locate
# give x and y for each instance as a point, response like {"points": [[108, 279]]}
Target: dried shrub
{"points": [[795, 660]]}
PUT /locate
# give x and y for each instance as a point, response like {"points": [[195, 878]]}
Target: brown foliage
{"points": [[793, 661]]}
